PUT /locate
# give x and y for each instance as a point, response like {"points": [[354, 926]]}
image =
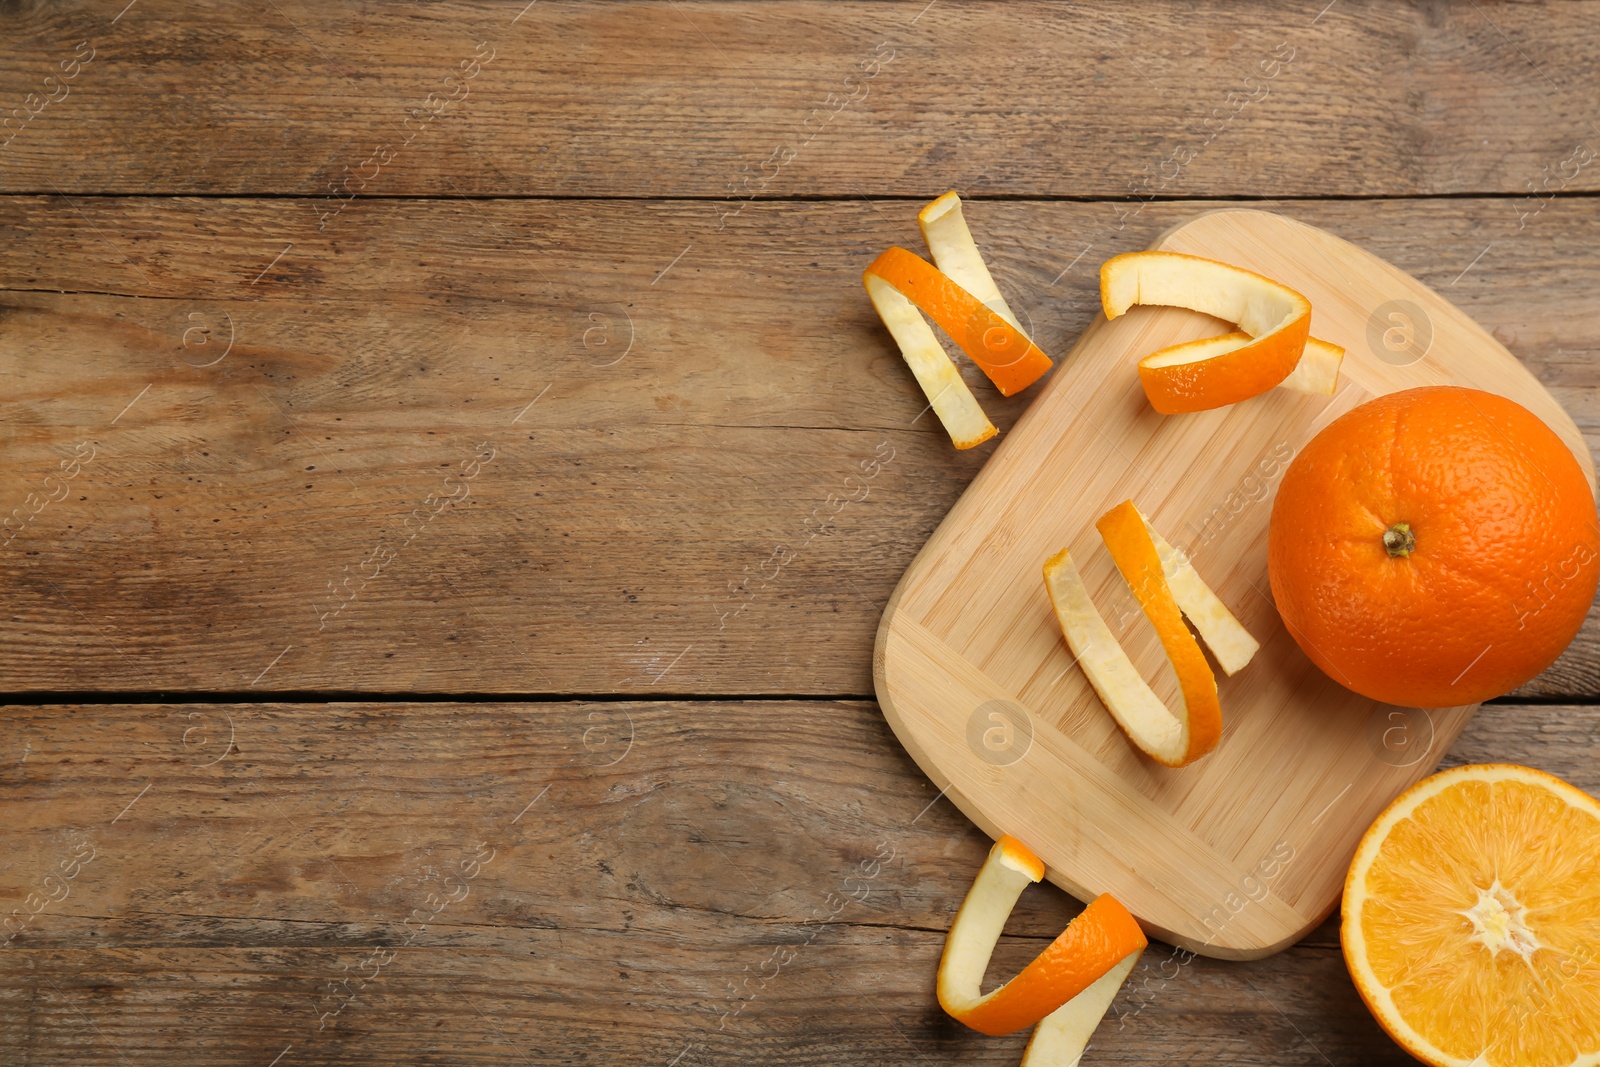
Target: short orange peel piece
{"points": [[1103, 941], [1217, 371], [1317, 372], [999, 348], [1167, 588]]}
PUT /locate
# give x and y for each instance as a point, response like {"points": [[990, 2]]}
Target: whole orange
{"points": [[1434, 547]]}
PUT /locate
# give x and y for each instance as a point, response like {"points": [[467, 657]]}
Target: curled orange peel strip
{"points": [[1167, 588], [999, 348], [1199, 375], [1065, 986], [959, 294], [947, 394], [956, 254]]}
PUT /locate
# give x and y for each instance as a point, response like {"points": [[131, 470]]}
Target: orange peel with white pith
{"points": [[1064, 989], [955, 253], [958, 293], [941, 382], [1000, 349], [1168, 589], [1318, 370], [1199, 375]]}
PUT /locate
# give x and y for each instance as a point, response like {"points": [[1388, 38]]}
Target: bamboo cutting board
{"points": [[1242, 853]]}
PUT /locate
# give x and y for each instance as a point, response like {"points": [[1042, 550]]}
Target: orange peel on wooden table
{"points": [[1068, 987], [947, 394], [1168, 588], [1266, 351], [957, 292], [1001, 350], [955, 253]]}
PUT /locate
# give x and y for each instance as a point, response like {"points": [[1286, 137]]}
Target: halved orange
{"points": [[1103, 940], [1211, 373], [1471, 920]]}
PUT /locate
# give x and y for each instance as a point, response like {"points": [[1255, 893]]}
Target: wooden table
{"points": [[431, 628]]}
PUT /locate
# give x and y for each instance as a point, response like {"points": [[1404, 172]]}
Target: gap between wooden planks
{"points": [[662, 510], [646, 859], [734, 100]]}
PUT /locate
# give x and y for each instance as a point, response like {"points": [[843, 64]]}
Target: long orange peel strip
{"points": [[947, 394], [999, 348], [1167, 588], [1069, 986], [1217, 371], [956, 254]]}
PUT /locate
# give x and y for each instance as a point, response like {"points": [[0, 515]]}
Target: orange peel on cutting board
{"points": [[1168, 588], [1272, 340], [1068, 987]]}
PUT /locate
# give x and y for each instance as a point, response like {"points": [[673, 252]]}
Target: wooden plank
{"points": [[245, 858], [731, 100], [696, 397]]}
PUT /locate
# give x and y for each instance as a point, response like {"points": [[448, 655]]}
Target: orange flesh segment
{"points": [[941, 382], [1200, 375], [1102, 937], [1471, 921], [1001, 351]]}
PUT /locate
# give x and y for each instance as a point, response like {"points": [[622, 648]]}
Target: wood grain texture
{"points": [[276, 368], [684, 426], [730, 100], [247, 857]]}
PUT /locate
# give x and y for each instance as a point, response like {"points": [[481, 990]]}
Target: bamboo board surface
{"points": [[1244, 852]]}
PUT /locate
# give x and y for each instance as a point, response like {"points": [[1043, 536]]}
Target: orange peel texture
{"points": [[999, 348], [1066, 989], [1167, 588], [1274, 323]]}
